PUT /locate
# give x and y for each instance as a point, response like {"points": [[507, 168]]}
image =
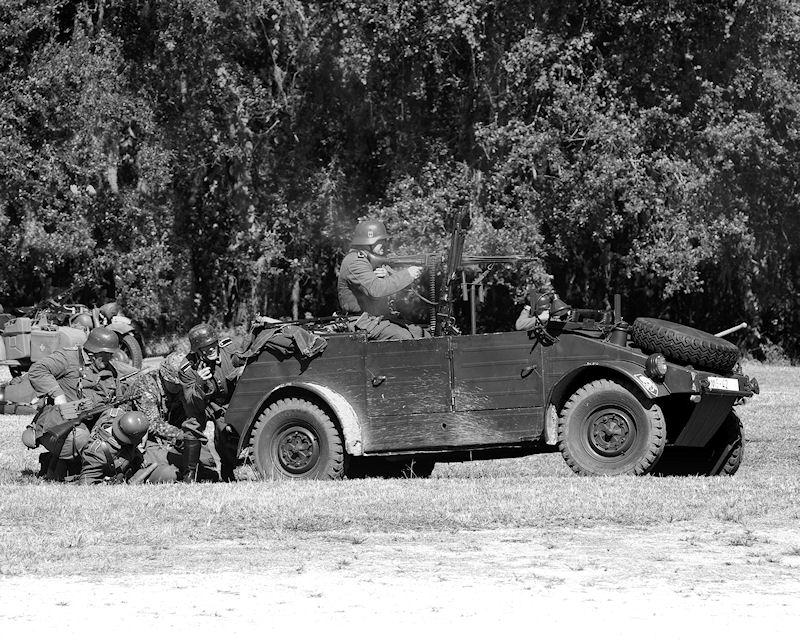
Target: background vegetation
{"points": [[203, 159]]}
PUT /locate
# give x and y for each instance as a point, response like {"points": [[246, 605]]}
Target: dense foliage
{"points": [[208, 159]]}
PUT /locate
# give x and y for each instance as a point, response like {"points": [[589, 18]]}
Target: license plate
{"points": [[723, 384]]}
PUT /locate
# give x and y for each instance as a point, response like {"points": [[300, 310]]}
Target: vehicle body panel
{"points": [[468, 392]]}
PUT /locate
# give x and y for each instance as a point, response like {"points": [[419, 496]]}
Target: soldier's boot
{"points": [[226, 471], [44, 463], [191, 458]]}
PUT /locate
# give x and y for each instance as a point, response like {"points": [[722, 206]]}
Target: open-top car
{"points": [[654, 397]]}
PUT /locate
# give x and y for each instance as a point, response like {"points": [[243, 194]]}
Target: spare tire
{"points": [[684, 345]]}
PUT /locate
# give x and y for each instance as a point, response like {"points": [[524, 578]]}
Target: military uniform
{"points": [[205, 400], [67, 372], [362, 291], [106, 458], [165, 440]]}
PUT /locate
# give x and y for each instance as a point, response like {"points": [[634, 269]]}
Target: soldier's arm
{"points": [[43, 374], [93, 465], [527, 322], [148, 402], [360, 272], [193, 396]]}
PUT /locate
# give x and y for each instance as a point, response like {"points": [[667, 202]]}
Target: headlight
{"points": [[656, 366]]}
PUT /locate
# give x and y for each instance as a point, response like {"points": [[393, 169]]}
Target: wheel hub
{"points": [[610, 432], [297, 449]]}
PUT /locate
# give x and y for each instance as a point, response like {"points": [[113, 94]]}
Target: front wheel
{"points": [[295, 439], [607, 429]]}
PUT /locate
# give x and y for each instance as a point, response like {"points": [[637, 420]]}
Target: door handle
{"points": [[526, 371], [377, 381]]}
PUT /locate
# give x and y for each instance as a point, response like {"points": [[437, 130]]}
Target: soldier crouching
{"points": [[208, 377], [112, 454], [86, 373]]}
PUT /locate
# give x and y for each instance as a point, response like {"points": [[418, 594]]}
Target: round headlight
{"points": [[656, 366]]}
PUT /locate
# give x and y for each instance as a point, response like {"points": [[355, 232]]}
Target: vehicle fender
{"points": [[120, 328], [633, 372], [342, 409]]}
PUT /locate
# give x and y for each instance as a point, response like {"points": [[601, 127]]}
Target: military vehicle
{"points": [[654, 397], [39, 330]]}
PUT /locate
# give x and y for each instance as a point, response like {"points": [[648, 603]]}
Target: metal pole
{"points": [[472, 311], [743, 325]]}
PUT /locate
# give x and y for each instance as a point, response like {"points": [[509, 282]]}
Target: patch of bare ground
{"points": [[614, 581]]}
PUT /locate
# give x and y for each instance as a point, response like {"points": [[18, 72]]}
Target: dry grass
{"points": [[70, 529]]}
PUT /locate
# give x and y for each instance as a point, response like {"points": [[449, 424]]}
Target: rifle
{"points": [[56, 435]]}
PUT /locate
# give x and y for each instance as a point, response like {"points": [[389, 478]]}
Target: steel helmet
{"points": [[369, 233], [82, 320], [102, 340], [131, 427], [110, 309], [201, 335]]}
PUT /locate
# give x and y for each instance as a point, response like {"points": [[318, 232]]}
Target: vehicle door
{"points": [[408, 387], [496, 371], [498, 379]]}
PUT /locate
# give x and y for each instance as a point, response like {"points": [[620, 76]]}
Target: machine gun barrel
{"points": [[431, 259]]}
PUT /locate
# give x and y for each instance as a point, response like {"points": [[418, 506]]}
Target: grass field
{"points": [[521, 527]]}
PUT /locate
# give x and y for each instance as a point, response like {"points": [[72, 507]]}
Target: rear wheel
{"points": [[722, 456], [607, 429], [295, 439]]}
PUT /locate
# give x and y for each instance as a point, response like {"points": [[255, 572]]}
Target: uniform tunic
{"points": [[106, 457], [361, 290], [206, 400], [67, 372]]}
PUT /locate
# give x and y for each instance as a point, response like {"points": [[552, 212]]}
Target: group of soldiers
{"points": [[152, 425]]}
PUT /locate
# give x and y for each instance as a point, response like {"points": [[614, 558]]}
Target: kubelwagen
{"points": [[655, 397]]}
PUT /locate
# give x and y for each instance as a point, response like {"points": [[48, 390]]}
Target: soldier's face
{"points": [[210, 353], [99, 361], [379, 249]]}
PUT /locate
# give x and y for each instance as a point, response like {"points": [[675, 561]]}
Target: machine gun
{"points": [[442, 270]]}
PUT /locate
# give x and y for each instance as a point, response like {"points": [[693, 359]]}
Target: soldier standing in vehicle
{"points": [[208, 376], [364, 290], [77, 373]]}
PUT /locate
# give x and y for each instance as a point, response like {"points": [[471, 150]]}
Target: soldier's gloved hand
{"points": [[204, 371], [60, 399], [381, 272], [415, 271]]}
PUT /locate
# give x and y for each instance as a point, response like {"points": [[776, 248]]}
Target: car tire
{"points": [[722, 456], [684, 345], [294, 438], [606, 428], [130, 351]]}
